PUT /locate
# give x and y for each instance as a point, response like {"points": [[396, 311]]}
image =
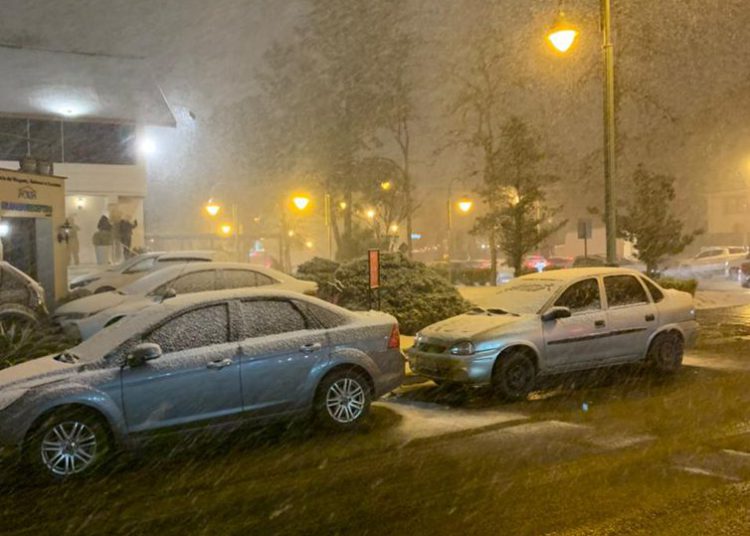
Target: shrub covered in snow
{"points": [[685, 285], [412, 292], [322, 271]]}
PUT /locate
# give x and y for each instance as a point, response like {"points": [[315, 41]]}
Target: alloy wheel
{"points": [[68, 448], [345, 400]]}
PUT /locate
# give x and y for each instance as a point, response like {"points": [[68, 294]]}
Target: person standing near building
{"points": [[72, 239], [126, 236]]}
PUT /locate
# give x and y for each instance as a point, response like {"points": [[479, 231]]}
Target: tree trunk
{"points": [[493, 259]]}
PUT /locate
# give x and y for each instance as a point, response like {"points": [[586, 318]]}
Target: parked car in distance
{"points": [[21, 298], [743, 273], [217, 357], [135, 268], [554, 322], [714, 261], [559, 263], [88, 315]]}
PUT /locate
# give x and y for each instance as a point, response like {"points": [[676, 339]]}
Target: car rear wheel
{"points": [[666, 352], [68, 443], [343, 400], [514, 375]]}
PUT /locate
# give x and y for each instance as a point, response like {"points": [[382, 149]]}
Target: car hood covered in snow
{"points": [[91, 304], [472, 326], [35, 372]]}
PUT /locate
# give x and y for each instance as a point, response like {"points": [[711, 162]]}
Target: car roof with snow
{"points": [[155, 279], [575, 273], [116, 334]]}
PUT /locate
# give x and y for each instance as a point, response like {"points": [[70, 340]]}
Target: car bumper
{"points": [[690, 332], [475, 369]]}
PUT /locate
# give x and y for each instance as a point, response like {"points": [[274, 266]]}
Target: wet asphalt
{"points": [[619, 451]]}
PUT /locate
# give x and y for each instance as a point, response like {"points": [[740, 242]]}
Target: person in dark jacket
{"points": [[126, 236]]}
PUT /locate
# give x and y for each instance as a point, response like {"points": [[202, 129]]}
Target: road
{"points": [[617, 452]]}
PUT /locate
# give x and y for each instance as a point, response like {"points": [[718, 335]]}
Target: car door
{"points": [[631, 315], [197, 377], [579, 340], [281, 350]]}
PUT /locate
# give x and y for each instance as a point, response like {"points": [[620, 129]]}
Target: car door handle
{"points": [[312, 347], [600, 323], [650, 318], [217, 365]]}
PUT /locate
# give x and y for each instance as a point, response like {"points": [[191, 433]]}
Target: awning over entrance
{"points": [[41, 84]]}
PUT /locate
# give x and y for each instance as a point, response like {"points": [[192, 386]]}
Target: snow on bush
{"points": [[412, 292]]}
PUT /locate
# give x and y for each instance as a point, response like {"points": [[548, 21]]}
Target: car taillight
{"points": [[394, 341]]}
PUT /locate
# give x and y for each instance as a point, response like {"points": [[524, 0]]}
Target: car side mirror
{"points": [[553, 313], [147, 351], [168, 293]]}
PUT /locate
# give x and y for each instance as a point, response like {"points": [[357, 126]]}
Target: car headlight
{"points": [[462, 348]]}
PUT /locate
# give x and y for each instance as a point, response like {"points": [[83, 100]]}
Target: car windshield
{"points": [[520, 296]]}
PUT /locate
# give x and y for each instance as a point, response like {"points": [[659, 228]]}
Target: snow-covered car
{"points": [[21, 298], [133, 269], [88, 315], [713, 261], [558, 321], [221, 357]]}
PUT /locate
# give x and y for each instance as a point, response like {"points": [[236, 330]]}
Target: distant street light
{"points": [[562, 38], [301, 201], [394, 228], [212, 207], [226, 229], [370, 213], [386, 185], [343, 205], [464, 205]]}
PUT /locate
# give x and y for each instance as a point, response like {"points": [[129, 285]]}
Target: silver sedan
{"points": [[554, 322]]}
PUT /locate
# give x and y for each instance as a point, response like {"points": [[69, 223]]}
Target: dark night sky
{"points": [[682, 69]]}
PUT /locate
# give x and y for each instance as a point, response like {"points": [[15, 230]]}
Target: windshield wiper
{"points": [[67, 357]]}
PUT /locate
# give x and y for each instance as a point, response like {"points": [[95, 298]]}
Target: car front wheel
{"points": [[69, 443], [666, 352], [514, 375], [343, 400]]}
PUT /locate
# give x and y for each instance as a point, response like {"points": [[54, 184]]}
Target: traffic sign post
{"points": [[584, 233], [373, 257]]}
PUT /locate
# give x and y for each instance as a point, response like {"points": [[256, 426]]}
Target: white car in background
{"points": [[88, 315], [712, 261], [134, 268]]}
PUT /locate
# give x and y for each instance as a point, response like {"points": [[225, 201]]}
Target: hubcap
{"points": [[345, 400], [68, 448], [518, 376]]}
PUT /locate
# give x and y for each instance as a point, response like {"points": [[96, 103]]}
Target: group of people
{"points": [[120, 233]]}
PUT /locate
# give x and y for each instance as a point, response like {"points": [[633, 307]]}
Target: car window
{"points": [[656, 294], [270, 317], [325, 317], [141, 266], [709, 253], [624, 290], [239, 278], [263, 280], [582, 296], [736, 251], [194, 282], [195, 329]]}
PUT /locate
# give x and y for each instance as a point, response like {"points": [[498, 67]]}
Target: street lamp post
{"points": [[464, 206], [561, 37]]}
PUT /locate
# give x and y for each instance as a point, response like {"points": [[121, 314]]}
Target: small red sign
{"points": [[374, 258]]}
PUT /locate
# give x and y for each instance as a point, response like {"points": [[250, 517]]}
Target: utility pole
{"points": [[610, 214]]}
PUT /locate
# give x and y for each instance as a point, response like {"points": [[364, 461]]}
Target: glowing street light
{"points": [[465, 205], [212, 207], [343, 205], [226, 229], [370, 213], [386, 185], [301, 201], [394, 228], [309, 244], [562, 35]]}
